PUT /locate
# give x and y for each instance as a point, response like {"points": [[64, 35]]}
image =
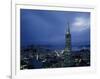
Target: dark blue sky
{"points": [[43, 27]]}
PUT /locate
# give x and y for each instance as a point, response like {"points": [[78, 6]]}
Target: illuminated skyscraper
{"points": [[67, 50], [68, 40]]}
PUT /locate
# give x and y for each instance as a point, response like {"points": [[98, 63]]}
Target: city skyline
{"points": [[54, 39]]}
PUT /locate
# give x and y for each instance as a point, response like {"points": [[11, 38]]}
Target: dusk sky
{"points": [[45, 27]]}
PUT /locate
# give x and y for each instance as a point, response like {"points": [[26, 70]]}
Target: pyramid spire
{"points": [[68, 28]]}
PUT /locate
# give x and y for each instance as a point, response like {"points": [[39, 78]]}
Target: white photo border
{"points": [[43, 73]]}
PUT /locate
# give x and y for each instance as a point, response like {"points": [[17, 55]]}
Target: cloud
{"points": [[80, 24]]}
